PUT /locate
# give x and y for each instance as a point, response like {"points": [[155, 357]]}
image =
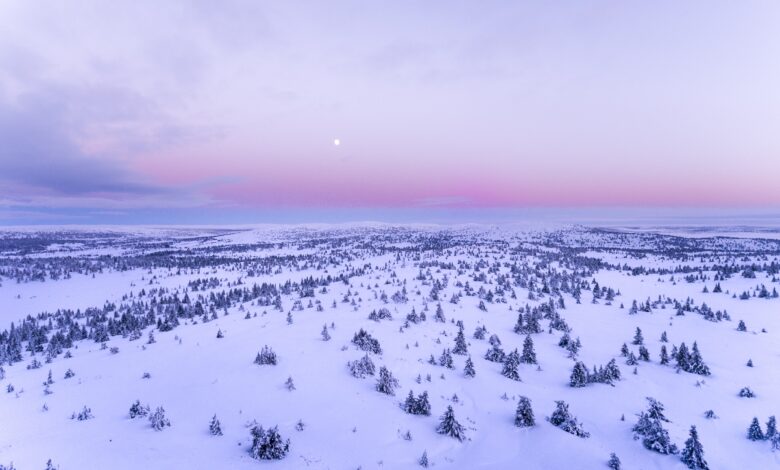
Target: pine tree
{"points": [[158, 419], [614, 462], [468, 370], [445, 360], [693, 453], [697, 365], [771, 428], [325, 334], [524, 416], [650, 429], [424, 460], [611, 372], [268, 445], [449, 426], [562, 419], [664, 338], [754, 431], [510, 366], [644, 354], [495, 354], [683, 357], [664, 355], [631, 361], [579, 375], [638, 338], [215, 428], [410, 404], [529, 355], [266, 357], [460, 344], [423, 406], [386, 382]]}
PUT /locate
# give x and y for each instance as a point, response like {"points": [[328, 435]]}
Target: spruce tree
{"points": [[460, 344], [579, 375], [468, 370], [386, 382], [614, 462], [424, 460], [268, 445], [771, 428], [638, 338], [524, 416], [529, 355], [693, 453], [510, 366], [754, 431], [449, 426], [215, 428]]}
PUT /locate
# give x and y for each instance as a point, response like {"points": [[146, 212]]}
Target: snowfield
{"points": [[176, 318]]}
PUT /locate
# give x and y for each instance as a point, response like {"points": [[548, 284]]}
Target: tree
{"points": [[460, 344], [754, 431], [449, 426], [638, 338], [215, 428], [579, 375], [693, 453], [445, 360], [562, 419], [771, 428], [614, 462], [137, 410], [510, 366], [266, 357], [529, 355], [158, 419], [495, 354], [697, 365], [386, 382], [468, 370], [664, 355], [325, 334], [524, 416], [650, 429], [424, 460], [644, 354], [268, 445]]}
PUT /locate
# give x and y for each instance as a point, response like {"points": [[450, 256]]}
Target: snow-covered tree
{"points": [[449, 426], [524, 415], [511, 363], [468, 369], [386, 382], [268, 445], [215, 428], [529, 355], [158, 420], [693, 453]]}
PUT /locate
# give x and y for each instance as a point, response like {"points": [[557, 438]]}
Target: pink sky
{"points": [[139, 106]]}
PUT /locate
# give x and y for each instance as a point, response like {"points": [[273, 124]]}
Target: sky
{"points": [[212, 112]]}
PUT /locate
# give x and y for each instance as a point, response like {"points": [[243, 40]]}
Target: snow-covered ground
{"points": [[97, 294]]}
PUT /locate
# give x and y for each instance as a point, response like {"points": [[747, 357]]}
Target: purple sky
{"points": [[136, 111]]}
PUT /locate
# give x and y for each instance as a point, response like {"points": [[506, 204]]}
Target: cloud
{"points": [[39, 151]]}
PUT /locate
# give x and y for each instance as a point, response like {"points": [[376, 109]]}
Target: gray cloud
{"points": [[39, 151]]}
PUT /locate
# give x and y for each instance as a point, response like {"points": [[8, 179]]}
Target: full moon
{"points": [[336, 142]]}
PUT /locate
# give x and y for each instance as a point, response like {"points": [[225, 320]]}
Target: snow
{"points": [[348, 424]]}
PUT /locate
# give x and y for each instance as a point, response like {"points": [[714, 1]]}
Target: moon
{"points": [[336, 142]]}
